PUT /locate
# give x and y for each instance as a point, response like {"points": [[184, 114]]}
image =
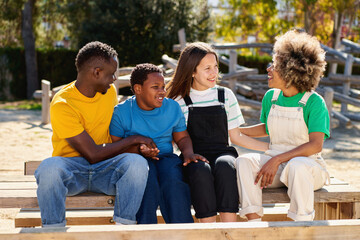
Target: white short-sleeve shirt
{"points": [[209, 97]]}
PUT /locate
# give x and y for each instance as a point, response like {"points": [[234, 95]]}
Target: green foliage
{"points": [[141, 31], [250, 61], [250, 17], [23, 105], [54, 65]]}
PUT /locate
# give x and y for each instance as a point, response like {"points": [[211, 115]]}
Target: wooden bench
{"points": [[337, 201], [333, 229]]}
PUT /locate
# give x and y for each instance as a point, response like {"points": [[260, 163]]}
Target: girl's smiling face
{"points": [[206, 73]]}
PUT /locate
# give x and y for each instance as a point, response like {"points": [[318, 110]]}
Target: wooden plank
{"points": [[333, 229], [27, 198], [30, 167], [31, 218], [17, 178], [17, 185]]}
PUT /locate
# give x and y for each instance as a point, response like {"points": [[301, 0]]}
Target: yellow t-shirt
{"points": [[71, 113]]}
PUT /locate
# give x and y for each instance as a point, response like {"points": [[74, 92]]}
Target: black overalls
{"points": [[213, 186]]}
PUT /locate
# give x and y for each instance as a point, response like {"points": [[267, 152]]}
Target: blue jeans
{"points": [[124, 176], [165, 187]]}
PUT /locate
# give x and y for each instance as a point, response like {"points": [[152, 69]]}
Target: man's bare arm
{"points": [[94, 153]]}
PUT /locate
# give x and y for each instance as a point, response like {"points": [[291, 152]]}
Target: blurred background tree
{"points": [[265, 19], [141, 31]]}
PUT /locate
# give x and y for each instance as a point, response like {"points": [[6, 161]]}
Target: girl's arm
{"points": [[238, 138], [257, 130]]}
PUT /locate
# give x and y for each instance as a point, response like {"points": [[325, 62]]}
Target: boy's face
{"points": [[151, 94]]}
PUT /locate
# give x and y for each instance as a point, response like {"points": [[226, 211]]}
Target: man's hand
{"points": [[194, 158], [149, 152], [267, 173]]}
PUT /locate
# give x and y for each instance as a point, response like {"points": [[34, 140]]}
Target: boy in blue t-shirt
{"points": [[150, 114]]}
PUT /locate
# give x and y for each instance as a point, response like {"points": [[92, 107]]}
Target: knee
{"points": [[224, 166], [51, 170], [246, 162], [134, 165], [199, 171], [296, 165]]}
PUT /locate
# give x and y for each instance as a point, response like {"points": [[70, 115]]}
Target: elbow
{"points": [[317, 146], [93, 157]]}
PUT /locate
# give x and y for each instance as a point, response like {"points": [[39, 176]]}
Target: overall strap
{"points": [[221, 95], [187, 100], [276, 95], [305, 98]]}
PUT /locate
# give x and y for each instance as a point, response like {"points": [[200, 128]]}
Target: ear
{"points": [[96, 72], [137, 88]]}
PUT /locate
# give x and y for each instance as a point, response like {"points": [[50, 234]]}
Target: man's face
{"points": [[107, 75], [151, 94]]}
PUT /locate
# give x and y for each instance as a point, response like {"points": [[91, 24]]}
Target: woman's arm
{"points": [[238, 138], [268, 171], [258, 130]]}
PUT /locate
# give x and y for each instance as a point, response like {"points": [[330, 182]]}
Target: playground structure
{"points": [[249, 86]]}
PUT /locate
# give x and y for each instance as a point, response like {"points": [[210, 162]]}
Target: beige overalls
{"points": [[302, 175]]}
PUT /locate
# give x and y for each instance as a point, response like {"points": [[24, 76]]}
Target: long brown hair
{"points": [[189, 59]]}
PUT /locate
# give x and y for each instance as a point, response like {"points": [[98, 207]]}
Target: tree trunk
{"points": [[337, 29], [29, 46]]}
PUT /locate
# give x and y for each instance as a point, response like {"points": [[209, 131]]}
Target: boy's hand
{"points": [[149, 152], [193, 158]]}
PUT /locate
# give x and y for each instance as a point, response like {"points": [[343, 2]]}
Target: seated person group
{"points": [[127, 149]]}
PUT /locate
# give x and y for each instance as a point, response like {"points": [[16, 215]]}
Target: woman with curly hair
{"points": [[297, 121]]}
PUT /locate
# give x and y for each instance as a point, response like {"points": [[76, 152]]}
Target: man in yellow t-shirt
{"points": [[84, 158]]}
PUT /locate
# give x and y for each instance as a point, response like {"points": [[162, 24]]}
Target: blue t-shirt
{"points": [[158, 124]]}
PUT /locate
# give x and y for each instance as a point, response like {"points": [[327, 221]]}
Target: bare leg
{"points": [[208, 219], [228, 217], [252, 216]]}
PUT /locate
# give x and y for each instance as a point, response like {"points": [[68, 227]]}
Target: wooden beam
{"points": [[45, 102], [177, 47], [182, 38], [333, 229], [32, 218], [30, 167]]}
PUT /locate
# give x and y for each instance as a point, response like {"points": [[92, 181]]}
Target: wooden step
{"points": [[32, 218], [307, 230]]}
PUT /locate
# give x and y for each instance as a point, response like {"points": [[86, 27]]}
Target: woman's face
{"points": [[274, 79], [206, 73]]}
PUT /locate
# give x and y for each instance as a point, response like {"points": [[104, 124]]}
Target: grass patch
{"points": [[21, 105]]}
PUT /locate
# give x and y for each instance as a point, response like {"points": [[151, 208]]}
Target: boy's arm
{"points": [[94, 153], [183, 141]]}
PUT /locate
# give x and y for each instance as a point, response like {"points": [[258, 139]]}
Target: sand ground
{"points": [[23, 137]]}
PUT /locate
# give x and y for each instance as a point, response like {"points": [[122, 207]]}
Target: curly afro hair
{"points": [[299, 60]]}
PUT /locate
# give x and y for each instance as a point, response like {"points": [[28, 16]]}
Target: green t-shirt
{"points": [[316, 115]]}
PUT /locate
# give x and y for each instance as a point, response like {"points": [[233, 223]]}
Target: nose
{"points": [[270, 67]]}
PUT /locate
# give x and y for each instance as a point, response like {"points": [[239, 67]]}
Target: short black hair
{"points": [[94, 50], [141, 71]]}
